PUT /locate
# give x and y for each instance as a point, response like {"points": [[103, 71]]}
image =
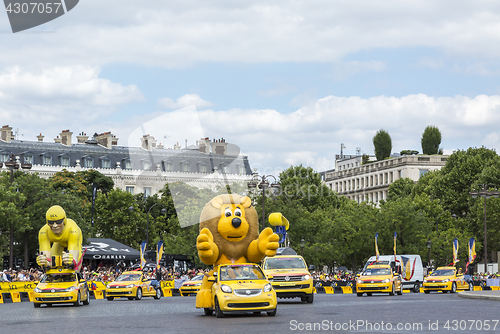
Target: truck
{"points": [[408, 266]]}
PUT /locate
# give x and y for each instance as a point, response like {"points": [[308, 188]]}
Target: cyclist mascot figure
{"points": [[60, 234]]}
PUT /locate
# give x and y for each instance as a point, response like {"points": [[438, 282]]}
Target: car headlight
{"points": [[129, 286], [37, 290], [359, 281], [425, 280], [446, 280], [306, 277], [268, 287], [72, 288], [197, 284], [386, 280], [226, 288]]}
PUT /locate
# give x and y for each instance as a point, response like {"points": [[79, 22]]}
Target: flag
{"points": [[94, 193], [455, 251], [159, 253], [395, 236], [143, 252], [377, 254], [472, 252]]}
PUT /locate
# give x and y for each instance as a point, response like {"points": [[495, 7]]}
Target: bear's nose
{"points": [[236, 222]]}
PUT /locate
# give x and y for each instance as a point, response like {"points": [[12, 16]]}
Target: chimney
{"points": [[148, 142], [204, 145], [40, 138], [114, 141], [160, 146], [57, 140], [177, 146], [82, 138], [66, 137], [219, 146], [105, 139], [6, 133]]}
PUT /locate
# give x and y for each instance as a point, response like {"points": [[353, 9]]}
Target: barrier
{"points": [[99, 294], [328, 290], [167, 292], [346, 289]]}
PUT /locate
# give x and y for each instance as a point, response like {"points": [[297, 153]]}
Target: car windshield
{"points": [[128, 277], [243, 272], [444, 272], [197, 278], [59, 278], [376, 271], [284, 263]]}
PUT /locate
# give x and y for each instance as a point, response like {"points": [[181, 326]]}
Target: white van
{"points": [[409, 266]]}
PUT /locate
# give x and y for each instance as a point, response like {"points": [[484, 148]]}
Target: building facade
{"points": [[145, 169], [370, 182]]}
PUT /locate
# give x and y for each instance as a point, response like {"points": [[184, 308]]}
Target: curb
{"points": [[476, 295]]}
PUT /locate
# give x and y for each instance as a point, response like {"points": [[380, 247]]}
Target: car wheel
{"points": [[393, 292], [36, 305], [138, 295], [416, 288], [310, 298], [273, 312], [158, 294], [471, 287], [360, 294], [77, 303], [218, 312], [368, 293], [303, 299], [453, 287], [110, 298], [400, 291], [208, 311], [87, 300], [427, 292]]}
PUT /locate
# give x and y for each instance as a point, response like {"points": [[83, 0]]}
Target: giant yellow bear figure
{"points": [[229, 233]]}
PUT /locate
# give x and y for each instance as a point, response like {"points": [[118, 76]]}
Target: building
{"points": [[145, 169], [370, 182]]}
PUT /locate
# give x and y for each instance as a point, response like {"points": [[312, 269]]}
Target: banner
{"points": [[472, 252], [159, 253], [395, 236], [455, 251], [377, 254], [143, 252]]}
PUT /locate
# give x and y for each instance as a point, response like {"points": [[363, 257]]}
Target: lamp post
{"points": [[163, 211], [429, 245], [14, 164], [485, 193], [302, 245], [262, 183]]}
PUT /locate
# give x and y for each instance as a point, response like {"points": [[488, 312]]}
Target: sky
{"points": [[285, 81]]}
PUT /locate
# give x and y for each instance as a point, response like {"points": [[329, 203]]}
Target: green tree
{"points": [[383, 144], [400, 188], [431, 139]]}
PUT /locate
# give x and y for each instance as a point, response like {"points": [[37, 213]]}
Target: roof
{"points": [[109, 249]]}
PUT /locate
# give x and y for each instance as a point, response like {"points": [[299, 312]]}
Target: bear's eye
{"points": [[228, 212], [237, 212]]}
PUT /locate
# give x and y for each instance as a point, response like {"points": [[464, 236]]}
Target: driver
{"points": [[59, 233]]}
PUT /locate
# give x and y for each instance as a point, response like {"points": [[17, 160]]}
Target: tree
{"points": [[400, 188], [431, 139], [383, 144]]}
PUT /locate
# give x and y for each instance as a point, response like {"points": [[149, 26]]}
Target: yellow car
{"points": [[445, 279], [61, 285], [241, 287], [289, 276], [378, 278], [192, 286], [132, 285]]}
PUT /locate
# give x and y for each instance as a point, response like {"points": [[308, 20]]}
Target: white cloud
{"points": [[184, 101]]}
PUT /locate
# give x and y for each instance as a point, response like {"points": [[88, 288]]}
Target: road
{"points": [[411, 313]]}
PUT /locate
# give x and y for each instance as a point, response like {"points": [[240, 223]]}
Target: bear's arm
{"points": [[265, 245], [207, 249]]}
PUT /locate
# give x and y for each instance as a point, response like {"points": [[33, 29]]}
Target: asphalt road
{"points": [[409, 313]]}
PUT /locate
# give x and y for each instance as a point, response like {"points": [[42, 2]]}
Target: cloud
{"points": [[184, 101]]}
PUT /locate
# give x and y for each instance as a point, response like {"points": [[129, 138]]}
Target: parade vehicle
{"points": [[379, 278], [445, 279], [409, 267], [241, 288], [59, 286], [132, 285], [289, 276], [192, 286]]}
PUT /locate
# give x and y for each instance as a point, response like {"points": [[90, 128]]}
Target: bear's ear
{"points": [[246, 202], [217, 202]]}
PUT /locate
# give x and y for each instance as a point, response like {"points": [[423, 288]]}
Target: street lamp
{"points": [[13, 164], [485, 193], [302, 245], [429, 245], [262, 183]]}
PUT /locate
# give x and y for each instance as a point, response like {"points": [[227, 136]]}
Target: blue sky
{"points": [[286, 81]]}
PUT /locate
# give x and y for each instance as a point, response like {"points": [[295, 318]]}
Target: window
{"points": [[202, 168], [146, 165], [225, 169], [106, 163], [186, 167], [242, 170], [147, 191], [88, 162], [28, 159], [422, 172], [4, 157], [47, 160], [129, 189], [169, 166], [65, 161], [127, 164]]}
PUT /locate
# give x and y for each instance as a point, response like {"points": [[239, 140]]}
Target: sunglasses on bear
{"points": [[58, 222]]}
